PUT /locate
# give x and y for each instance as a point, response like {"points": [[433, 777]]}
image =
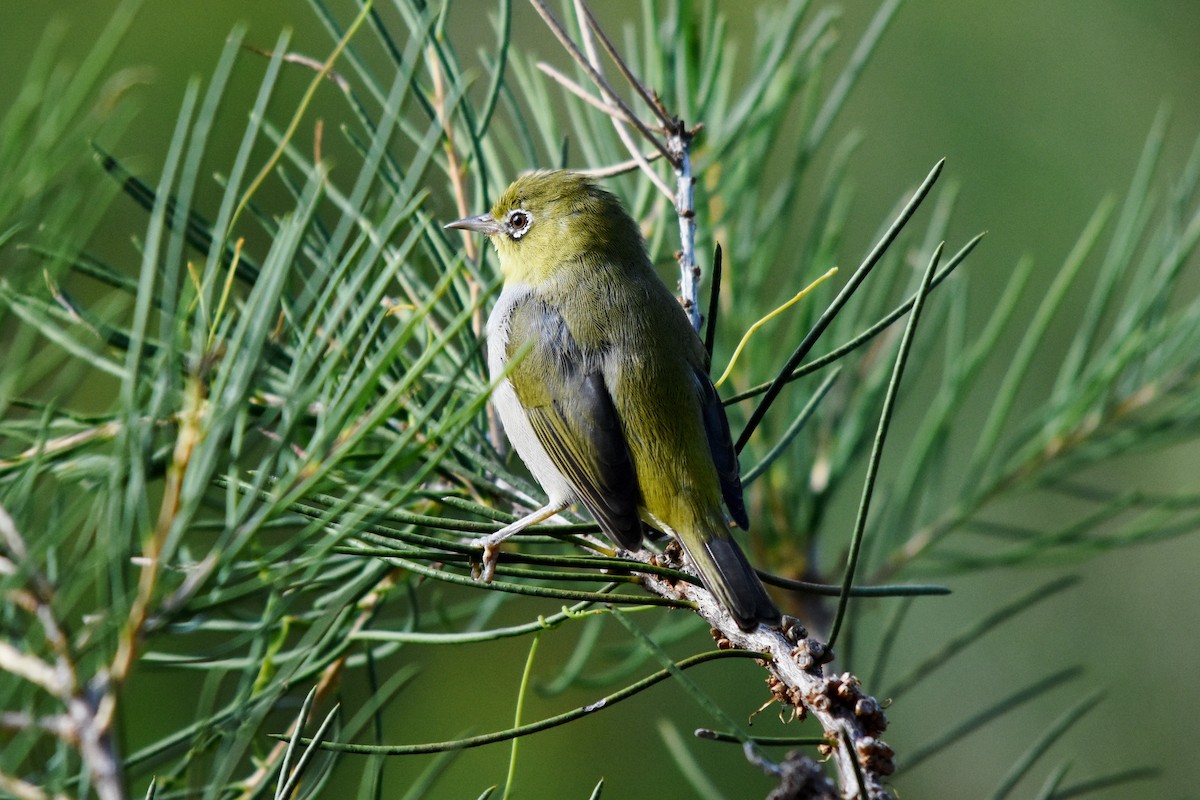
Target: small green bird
{"points": [[610, 405]]}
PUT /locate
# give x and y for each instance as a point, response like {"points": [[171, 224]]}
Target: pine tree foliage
{"points": [[253, 454]]}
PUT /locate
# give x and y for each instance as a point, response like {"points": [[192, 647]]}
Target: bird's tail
{"points": [[728, 575]]}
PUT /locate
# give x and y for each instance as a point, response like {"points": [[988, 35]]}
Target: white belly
{"points": [[512, 414]]}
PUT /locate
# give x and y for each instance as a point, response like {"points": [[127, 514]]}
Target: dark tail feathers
{"points": [[728, 575]]}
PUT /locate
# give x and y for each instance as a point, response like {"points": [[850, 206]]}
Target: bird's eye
{"points": [[518, 223]]}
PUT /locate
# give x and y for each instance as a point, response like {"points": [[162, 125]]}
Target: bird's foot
{"points": [[491, 543], [490, 546]]}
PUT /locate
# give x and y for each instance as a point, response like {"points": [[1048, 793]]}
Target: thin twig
{"points": [[653, 102], [678, 149], [453, 167], [38, 672], [57, 725], [191, 432], [620, 168], [611, 97], [573, 49], [106, 430], [847, 714], [679, 143], [24, 791], [582, 93], [315, 64], [87, 722]]}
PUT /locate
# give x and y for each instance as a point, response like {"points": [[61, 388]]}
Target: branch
{"points": [[676, 147], [852, 720], [86, 724]]}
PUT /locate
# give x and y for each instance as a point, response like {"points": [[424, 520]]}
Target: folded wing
{"points": [[561, 386]]}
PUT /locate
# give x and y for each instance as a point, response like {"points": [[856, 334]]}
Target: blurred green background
{"points": [[1042, 110]]}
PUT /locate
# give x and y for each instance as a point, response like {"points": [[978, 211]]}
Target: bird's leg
{"points": [[491, 543]]}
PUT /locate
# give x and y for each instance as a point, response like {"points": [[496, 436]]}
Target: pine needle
{"points": [[764, 320]]}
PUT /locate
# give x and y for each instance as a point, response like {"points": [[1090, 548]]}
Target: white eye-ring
{"points": [[519, 222]]}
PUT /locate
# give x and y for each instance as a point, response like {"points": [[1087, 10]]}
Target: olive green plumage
{"points": [[610, 404]]}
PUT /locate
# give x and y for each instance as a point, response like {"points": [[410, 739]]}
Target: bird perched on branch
{"points": [[603, 388]]}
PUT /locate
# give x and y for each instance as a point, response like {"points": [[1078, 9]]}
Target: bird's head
{"points": [[545, 221]]}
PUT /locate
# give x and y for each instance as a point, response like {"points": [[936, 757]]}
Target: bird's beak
{"points": [[484, 223]]}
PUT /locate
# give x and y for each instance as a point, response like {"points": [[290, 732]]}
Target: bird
{"points": [[601, 384]]}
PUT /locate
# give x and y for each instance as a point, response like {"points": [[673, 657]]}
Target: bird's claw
{"points": [[491, 554]]}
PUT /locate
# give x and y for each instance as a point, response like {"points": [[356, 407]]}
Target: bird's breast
{"points": [[513, 416]]}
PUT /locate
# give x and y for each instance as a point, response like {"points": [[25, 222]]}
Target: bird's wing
{"points": [[561, 386], [720, 444]]}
